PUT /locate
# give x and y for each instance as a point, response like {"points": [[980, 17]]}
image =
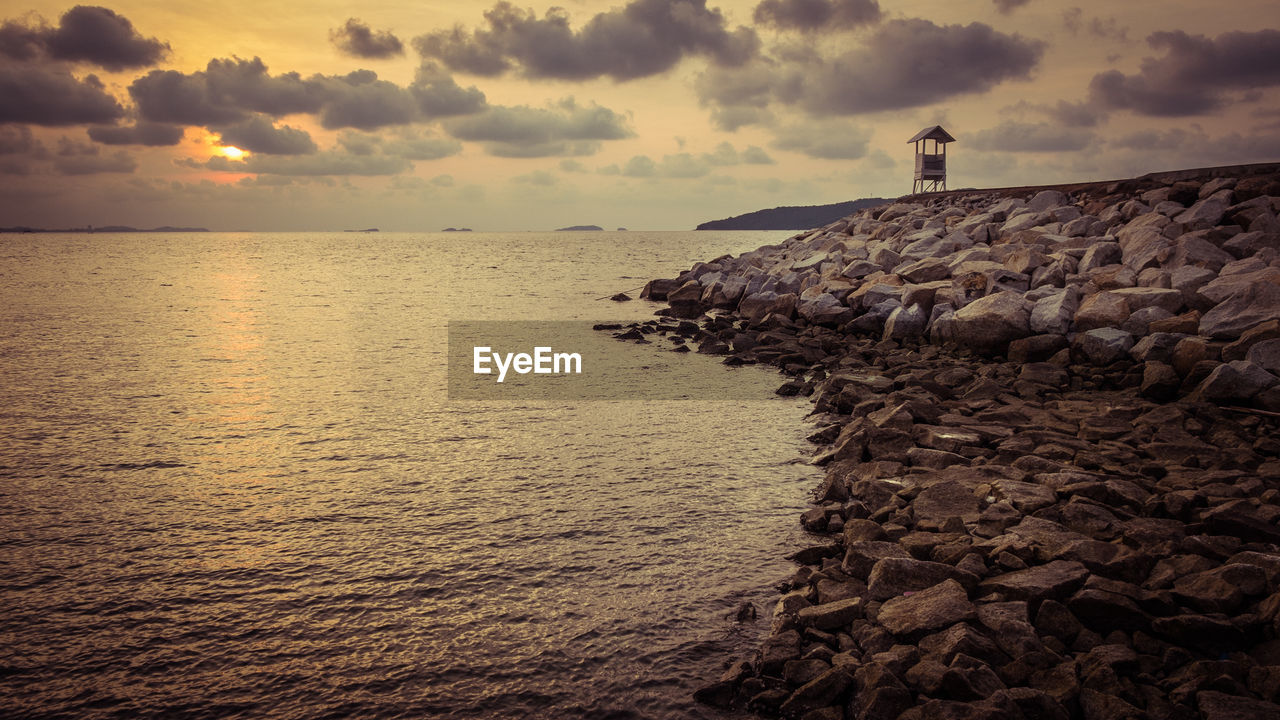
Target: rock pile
{"points": [[1052, 460]]}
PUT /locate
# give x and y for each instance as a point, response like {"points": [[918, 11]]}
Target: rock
{"points": [[990, 323], [777, 650], [905, 322], [1036, 348], [882, 703], [1104, 309], [1247, 305], [818, 693], [1056, 580], [938, 503], [861, 557], [1099, 254], [1139, 323], [659, 289], [1053, 314], [1201, 632], [1137, 298], [620, 297], [1053, 618], [940, 606], [1187, 323], [1265, 355], [1159, 381], [1235, 382], [1187, 353], [1221, 706], [1104, 346], [1047, 200], [1242, 521], [824, 309], [1239, 350], [923, 271], [1204, 214], [1188, 280], [831, 616], [892, 576]]}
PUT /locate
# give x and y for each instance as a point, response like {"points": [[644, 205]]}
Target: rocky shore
{"points": [[1050, 427]]}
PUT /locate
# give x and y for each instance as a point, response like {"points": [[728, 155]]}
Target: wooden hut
{"points": [[931, 168]]}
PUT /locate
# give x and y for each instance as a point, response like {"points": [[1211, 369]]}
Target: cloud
{"points": [[564, 128], [677, 166], [1012, 136], [1073, 21], [640, 166], [643, 38], [406, 145], [18, 140], [1008, 6], [54, 97], [540, 178], [357, 39], [322, 163], [438, 95], [725, 154], [1193, 146], [86, 34], [258, 134], [902, 64], [910, 63], [360, 100], [824, 139], [142, 133], [75, 158], [817, 14], [1191, 77], [572, 166], [229, 91]]}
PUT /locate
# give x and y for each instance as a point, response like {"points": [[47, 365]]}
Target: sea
{"points": [[234, 483]]}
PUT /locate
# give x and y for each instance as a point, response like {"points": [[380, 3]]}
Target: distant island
{"points": [[456, 230], [792, 217], [622, 229], [575, 228], [366, 230], [103, 229]]}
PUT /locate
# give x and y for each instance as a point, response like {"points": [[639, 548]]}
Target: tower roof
{"points": [[935, 133]]}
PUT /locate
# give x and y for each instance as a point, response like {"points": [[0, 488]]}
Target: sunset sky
{"points": [[648, 114]]}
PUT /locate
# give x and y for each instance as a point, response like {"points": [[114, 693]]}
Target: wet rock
{"points": [[818, 693], [831, 616], [939, 606], [861, 557], [777, 650]]}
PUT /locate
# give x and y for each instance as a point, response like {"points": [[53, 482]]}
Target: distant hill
{"points": [[103, 229], [580, 228], [792, 218]]}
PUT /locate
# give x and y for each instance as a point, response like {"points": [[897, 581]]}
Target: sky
{"points": [[296, 115]]}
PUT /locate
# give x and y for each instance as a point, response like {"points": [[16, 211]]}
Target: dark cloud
{"points": [[1073, 20], [903, 64], [817, 14], [910, 63], [565, 128], [643, 38], [357, 39], [1014, 136], [87, 34], [76, 158], [1008, 6], [229, 91], [258, 134], [360, 100], [756, 156], [1193, 75], [1193, 146], [224, 93], [438, 95], [143, 133], [824, 139], [18, 140], [52, 96]]}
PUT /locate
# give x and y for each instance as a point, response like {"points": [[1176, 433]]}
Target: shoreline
{"points": [[1050, 425]]}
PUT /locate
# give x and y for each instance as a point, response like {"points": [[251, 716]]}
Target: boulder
{"points": [[1104, 345], [1137, 298], [1055, 580], [1266, 355], [940, 502], [832, 615], [1235, 382], [905, 322], [1204, 214], [1046, 200], [1104, 309], [990, 323], [892, 577], [824, 309], [1053, 314], [1100, 254], [1254, 305], [922, 271], [1239, 349], [934, 608]]}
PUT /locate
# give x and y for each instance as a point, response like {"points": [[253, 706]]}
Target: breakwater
{"points": [[1048, 421]]}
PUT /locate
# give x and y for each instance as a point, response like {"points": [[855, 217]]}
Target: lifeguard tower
{"points": [[931, 168]]}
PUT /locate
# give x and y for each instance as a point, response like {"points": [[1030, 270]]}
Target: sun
{"points": [[231, 151]]}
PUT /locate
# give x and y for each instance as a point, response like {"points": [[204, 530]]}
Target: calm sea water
{"points": [[231, 485]]}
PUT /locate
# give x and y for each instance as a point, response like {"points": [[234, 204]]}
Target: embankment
{"points": [[1050, 425]]}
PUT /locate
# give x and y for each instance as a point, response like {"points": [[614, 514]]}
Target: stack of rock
{"points": [[1050, 431]]}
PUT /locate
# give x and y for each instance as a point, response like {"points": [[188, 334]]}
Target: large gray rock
{"points": [[905, 322], [1100, 254], [1053, 314], [1137, 298], [824, 309], [1252, 304], [1104, 346], [1104, 309], [1204, 214], [1189, 279], [990, 323], [894, 576], [1236, 381], [1047, 200], [1266, 355], [925, 270]]}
